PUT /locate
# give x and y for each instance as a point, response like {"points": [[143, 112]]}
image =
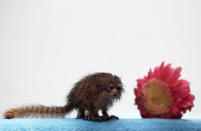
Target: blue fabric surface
{"points": [[113, 125]]}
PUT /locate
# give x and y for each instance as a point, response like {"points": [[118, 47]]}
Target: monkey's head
{"points": [[109, 85]]}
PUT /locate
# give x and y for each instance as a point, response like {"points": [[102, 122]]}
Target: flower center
{"points": [[157, 97]]}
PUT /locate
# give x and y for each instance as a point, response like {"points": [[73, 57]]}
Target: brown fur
{"points": [[92, 93], [41, 111]]}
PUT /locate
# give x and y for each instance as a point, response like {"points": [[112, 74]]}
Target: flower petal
{"points": [[174, 75]]}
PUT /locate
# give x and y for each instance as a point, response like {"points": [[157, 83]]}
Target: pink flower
{"points": [[161, 94]]}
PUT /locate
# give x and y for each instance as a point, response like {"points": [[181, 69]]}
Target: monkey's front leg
{"points": [[107, 117], [105, 114]]}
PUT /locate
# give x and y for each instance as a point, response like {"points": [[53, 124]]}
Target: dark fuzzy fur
{"points": [[92, 93]]}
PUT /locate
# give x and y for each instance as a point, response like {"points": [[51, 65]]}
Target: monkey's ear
{"points": [[117, 79]]}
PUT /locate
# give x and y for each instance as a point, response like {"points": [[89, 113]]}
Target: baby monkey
{"points": [[89, 95]]}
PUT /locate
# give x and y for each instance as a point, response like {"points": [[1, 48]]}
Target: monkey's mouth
{"points": [[114, 95]]}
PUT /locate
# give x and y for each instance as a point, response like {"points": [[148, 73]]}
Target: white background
{"points": [[47, 45]]}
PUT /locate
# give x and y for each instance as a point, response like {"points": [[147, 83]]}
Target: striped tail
{"points": [[38, 111]]}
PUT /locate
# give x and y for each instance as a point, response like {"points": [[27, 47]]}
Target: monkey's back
{"points": [[85, 94]]}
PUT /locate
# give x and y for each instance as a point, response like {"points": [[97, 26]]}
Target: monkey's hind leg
{"points": [[93, 115], [81, 114]]}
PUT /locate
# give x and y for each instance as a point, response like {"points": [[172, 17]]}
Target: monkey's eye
{"points": [[111, 87], [119, 87]]}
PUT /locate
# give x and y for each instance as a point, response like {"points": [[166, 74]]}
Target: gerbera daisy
{"points": [[161, 94]]}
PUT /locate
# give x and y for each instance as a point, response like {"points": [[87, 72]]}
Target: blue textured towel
{"points": [[113, 125]]}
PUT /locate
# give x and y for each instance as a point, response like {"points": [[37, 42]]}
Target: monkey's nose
{"points": [[114, 92]]}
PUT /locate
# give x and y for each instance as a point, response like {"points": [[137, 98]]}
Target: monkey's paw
{"points": [[80, 117], [113, 117], [105, 118]]}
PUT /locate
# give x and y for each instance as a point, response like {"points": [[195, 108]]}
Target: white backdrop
{"points": [[47, 45]]}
